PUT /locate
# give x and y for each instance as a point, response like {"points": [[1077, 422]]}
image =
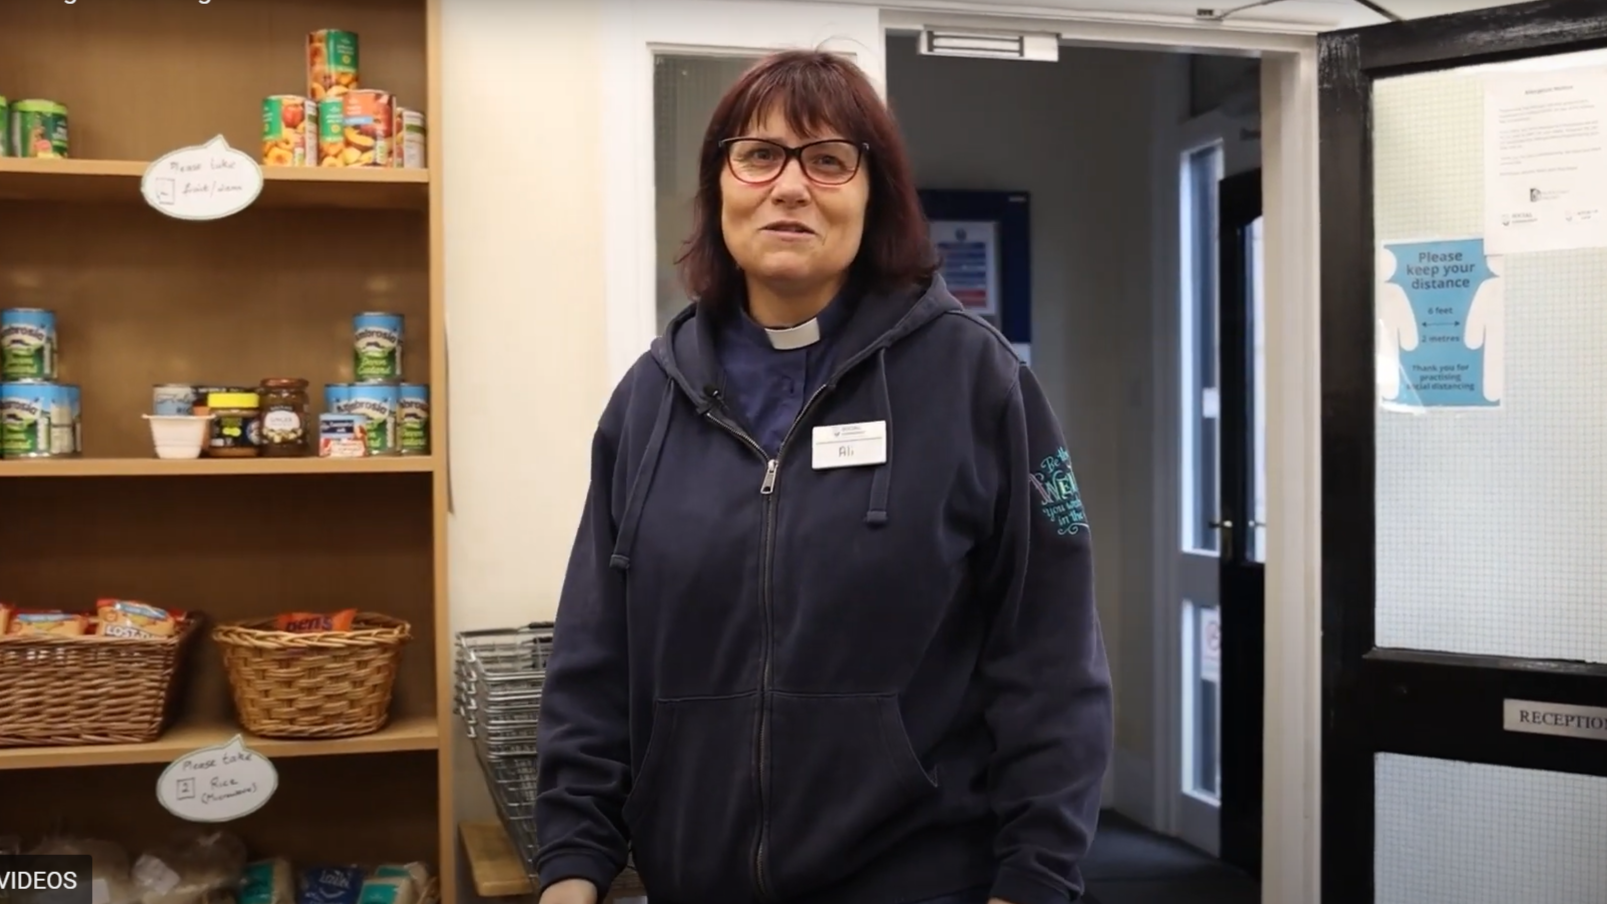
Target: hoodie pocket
{"points": [[842, 768], [691, 812]]}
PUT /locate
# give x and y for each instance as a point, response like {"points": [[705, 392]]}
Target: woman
{"points": [[828, 629]]}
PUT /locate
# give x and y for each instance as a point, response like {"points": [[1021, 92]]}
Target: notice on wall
{"points": [[970, 251], [1545, 160], [1441, 321], [206, 182], [217, 784], [1211, 645]]}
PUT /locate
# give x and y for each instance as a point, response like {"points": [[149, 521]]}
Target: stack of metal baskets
{"points": [[499, 677]]}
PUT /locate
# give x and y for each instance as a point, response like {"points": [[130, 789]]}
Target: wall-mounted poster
{"points": [[970, 252]]}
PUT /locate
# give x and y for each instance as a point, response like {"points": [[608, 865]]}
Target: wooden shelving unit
{"points": [[142, 299]]}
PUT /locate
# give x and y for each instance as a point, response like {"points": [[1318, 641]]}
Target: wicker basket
{"points": [[320, 684], [57, 691]]}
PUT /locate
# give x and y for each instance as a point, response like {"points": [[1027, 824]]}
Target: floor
{"points": [[1132, 865]]}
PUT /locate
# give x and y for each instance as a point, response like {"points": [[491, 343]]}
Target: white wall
{"points": [[1077, 136], [524, 287]]}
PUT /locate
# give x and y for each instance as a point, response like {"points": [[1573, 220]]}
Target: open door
{"points": [[1239, 631], [1464, 500]]}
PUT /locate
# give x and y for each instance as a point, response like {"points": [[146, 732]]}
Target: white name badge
{"points": [[850, 445]]}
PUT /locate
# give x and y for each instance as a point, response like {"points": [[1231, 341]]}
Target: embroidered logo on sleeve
{"points": [[1058, 497]]}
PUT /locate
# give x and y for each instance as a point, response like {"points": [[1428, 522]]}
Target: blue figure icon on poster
{"points": [[1440, 325]]}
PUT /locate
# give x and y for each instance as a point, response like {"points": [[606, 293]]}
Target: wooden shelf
{"points": [[497, 868], [412, 733], [118, 181], [212, 467]]}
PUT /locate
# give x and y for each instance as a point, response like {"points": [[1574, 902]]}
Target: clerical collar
{"points": [[794, 337]]}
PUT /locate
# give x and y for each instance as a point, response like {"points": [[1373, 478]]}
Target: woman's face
{"points": [[791, 231]]}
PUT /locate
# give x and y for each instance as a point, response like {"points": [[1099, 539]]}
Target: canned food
{"points": [[289, 131], [336, 395], [5, 127], [342, 435], [413, 419], [331, 63], [378, 403], [377, 347], [27, 344], [408, 148], [75, 399], [25, 430], [331, 132], [173, 399], [367, 121], [63, 424], [38, 129]]}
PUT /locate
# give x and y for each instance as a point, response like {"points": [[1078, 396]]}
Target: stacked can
{"points": [[33, 128], [394, 415], [39, 417]]}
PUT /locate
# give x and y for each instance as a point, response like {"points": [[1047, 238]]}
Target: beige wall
{"points": [[524, 297], [524, 274]]}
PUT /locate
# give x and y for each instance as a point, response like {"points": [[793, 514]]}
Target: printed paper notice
{"points": [[206, 182], [1545, 161], [970, 253], [1440, 322], [217, 784]]}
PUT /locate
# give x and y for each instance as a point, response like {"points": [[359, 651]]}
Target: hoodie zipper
{"points": [[767, 546]]}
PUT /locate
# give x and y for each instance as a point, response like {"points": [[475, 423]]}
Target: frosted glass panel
{"points": [[1491, 516], [1478, 834], [685, 90]]}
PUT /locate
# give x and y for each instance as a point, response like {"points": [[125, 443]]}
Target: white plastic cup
{"points": [[179, 436]]}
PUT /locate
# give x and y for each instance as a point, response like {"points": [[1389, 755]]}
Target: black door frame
{"points": [[1446, 706], [1241, 579]]}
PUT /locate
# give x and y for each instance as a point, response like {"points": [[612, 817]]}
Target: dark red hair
{"points": [[816, 93]]}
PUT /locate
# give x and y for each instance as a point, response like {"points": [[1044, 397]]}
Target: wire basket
{"points": [[499, 677]]}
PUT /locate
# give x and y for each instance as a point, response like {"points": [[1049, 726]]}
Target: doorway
{"points": [[1145, 781], [1221, 485]]}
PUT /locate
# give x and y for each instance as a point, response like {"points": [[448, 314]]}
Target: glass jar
{"points": [[284, 417], [236, 424]]}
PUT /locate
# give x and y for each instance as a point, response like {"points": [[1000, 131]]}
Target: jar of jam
{"points": [[236, 424], [284, 417]]}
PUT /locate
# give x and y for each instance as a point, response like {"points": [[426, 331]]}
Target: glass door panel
{"points": [[1464, 495]]}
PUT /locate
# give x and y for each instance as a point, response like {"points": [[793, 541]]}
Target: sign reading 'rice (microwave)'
{"points": [[217, 784], [205, 182]]}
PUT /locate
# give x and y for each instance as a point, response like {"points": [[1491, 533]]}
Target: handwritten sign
{"points": [[206, 182], [217, 784]]}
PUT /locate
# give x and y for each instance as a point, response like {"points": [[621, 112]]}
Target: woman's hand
{"points": [[569, 891]]}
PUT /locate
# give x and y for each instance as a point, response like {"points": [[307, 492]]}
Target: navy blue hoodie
{"points": [[859, 685]]}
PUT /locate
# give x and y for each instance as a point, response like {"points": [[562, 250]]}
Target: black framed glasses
{"points": [[759, 160]]}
